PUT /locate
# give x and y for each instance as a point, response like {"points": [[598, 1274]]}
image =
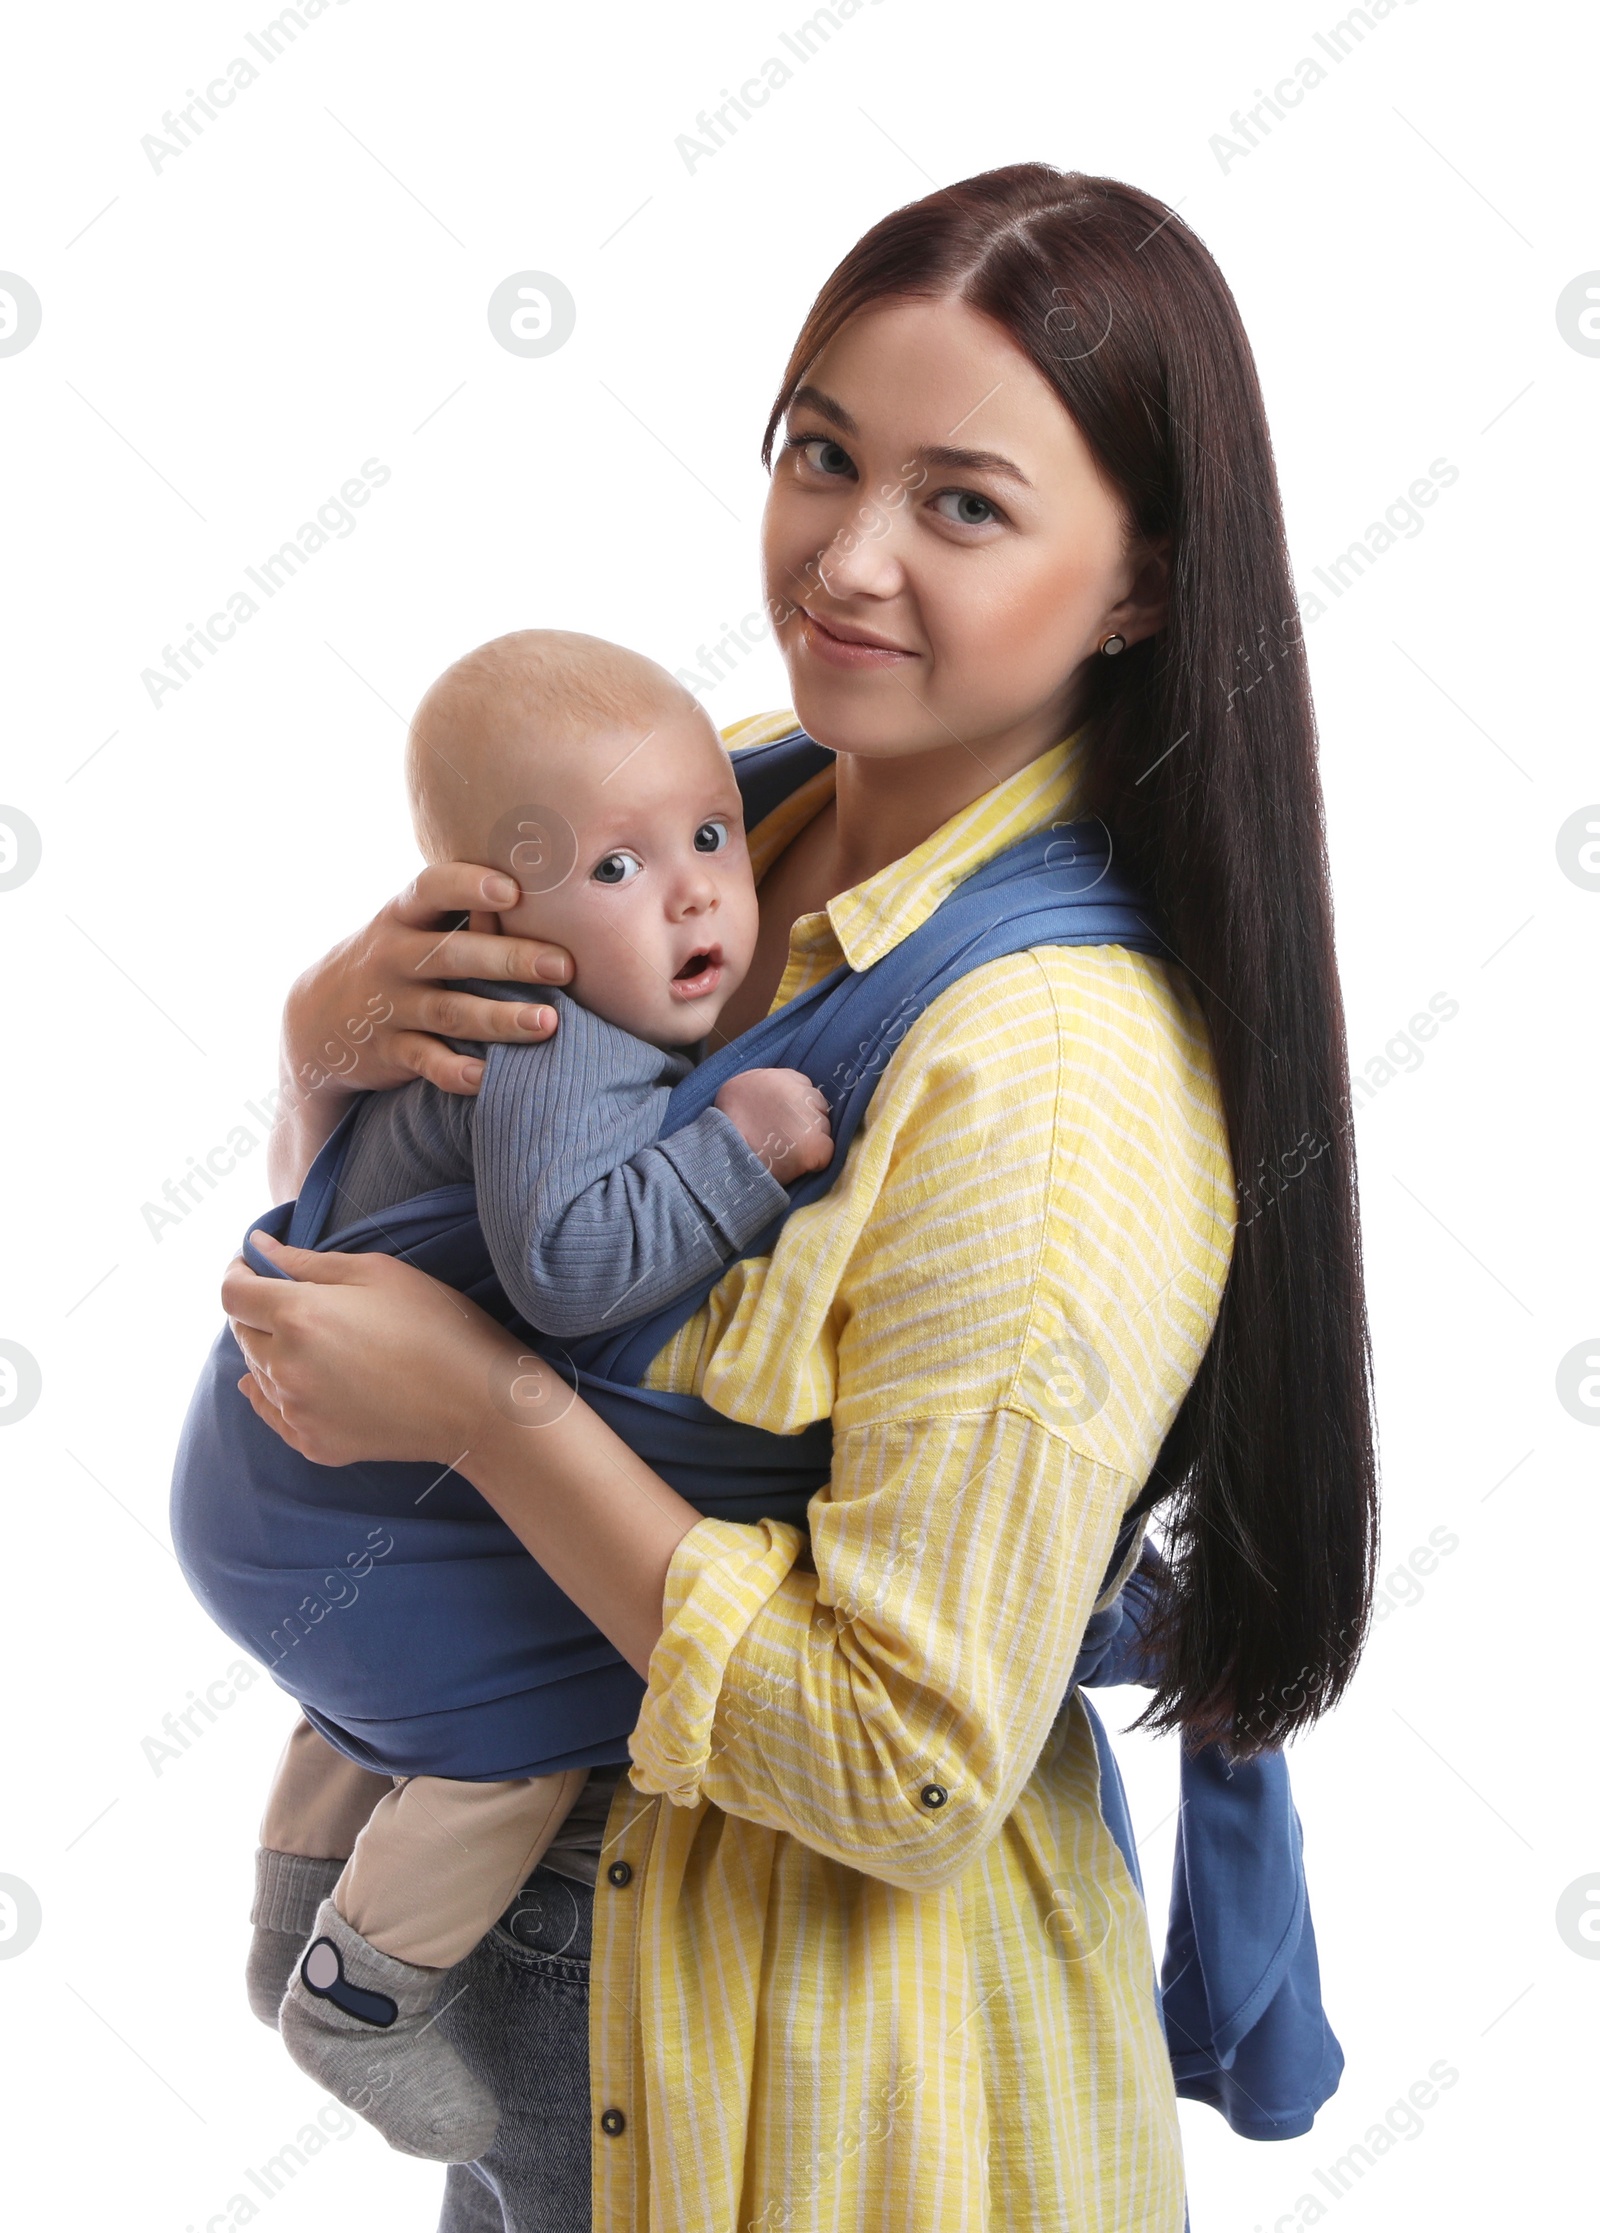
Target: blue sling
{"points": [[420, 1637]]}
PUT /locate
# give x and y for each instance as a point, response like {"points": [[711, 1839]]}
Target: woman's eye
{"points": [[969, 509], [711, 837], [617, 868], [824, 455]]}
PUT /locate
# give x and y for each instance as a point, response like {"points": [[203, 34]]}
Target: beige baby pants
{"points": [[429, 1862]]}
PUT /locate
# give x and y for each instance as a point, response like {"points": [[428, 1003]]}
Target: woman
{"points": [[865, 1953]]}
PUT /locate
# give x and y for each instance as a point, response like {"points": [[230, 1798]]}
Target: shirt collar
{"points": [[872, 917]]}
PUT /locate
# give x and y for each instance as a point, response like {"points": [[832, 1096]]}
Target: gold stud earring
{"points": [[1112, 645]]}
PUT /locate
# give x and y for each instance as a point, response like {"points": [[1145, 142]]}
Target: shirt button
{"points": [[934, 1794], [619, 1874], [612, 2121]]}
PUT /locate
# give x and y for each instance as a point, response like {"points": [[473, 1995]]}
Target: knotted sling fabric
{"points": [[421, 1638]]}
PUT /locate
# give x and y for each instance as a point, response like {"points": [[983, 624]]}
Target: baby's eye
{"points": [[617, 868], [711, 837], [969, 508]]}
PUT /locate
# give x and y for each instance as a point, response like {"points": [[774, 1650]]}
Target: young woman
{"points": [[863, 1952]]}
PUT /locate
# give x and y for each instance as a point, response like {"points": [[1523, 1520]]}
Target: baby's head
{"points": [[598, 782]]}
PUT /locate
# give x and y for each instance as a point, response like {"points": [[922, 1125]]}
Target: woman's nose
{"points": [[862, 559]]}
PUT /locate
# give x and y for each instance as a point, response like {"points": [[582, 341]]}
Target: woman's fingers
{"points": [[459, 950], [264, 1314], [316, 1267], [360, 1357], [259, 1398], [254, 1388], [421, 1056], [275, 1323], [468, 1015], [249, 1299], [375, 1011], [453, 888], [456, 888], [271, 1305], [429, 955]]}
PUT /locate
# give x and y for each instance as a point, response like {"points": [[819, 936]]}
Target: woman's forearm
{"points": [[312, 1094], [302, 1123], [599, 1521]]}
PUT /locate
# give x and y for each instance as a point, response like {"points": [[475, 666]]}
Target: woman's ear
{"points": [[1143, 611]]}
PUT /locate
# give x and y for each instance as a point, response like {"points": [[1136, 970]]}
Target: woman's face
{"points": [[941, 553]]}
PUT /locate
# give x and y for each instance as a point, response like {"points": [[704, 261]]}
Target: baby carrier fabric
{"points": [[420, 1637]]}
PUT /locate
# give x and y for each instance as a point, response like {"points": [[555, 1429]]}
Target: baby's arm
{"points": [[590, 1218]]}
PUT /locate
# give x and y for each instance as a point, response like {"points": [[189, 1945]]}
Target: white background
{"points": [[305, 288]]}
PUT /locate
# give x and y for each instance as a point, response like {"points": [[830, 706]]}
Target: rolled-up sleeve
{"points": [[886, 1708]]}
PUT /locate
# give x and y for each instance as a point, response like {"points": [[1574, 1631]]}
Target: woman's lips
{"points": [[840, 651], [703, 980]]}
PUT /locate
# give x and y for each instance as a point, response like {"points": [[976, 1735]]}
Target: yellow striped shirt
{"points": [[826, 2000]]}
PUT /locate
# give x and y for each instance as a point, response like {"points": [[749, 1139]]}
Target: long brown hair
{"points": [[1203, 763]]}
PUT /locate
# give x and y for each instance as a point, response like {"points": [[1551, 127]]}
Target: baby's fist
{"points": [[783, 1117]]}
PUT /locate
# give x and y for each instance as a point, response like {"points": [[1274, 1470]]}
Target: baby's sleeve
{"points": [[590, 1219], [403, 1142]]}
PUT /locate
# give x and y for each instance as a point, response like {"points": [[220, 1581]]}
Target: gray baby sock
{"points": [[290, 1887], [359, 2022]]}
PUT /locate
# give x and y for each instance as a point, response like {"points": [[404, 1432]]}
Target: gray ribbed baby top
{"points": [[590, 1219]]}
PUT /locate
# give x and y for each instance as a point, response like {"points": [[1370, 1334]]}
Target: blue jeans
{"points": [[521, 2020]]}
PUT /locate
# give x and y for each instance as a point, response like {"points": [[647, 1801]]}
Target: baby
{"points": [[596, 781]]}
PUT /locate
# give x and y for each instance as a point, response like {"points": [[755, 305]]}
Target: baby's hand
{"points": [[783, 1117]]}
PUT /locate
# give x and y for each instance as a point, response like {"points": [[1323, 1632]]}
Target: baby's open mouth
{"points": [[699, 973]]}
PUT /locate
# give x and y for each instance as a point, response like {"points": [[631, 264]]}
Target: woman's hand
{"points": [[356, 1358], [369, 1014], [359, 1358]]}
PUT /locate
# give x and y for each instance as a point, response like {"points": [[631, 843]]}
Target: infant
{"points": [[596, 781]]}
